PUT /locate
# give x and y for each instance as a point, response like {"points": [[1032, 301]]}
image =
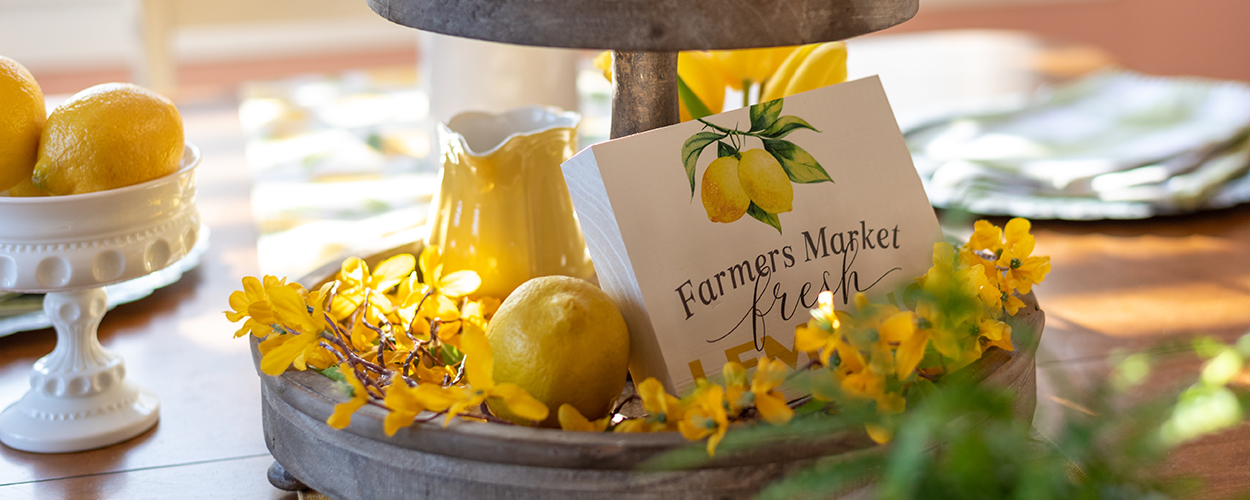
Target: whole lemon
{"points": [[108, 136], [765, 181], [21, 119], [722, 194], [563, 341]]}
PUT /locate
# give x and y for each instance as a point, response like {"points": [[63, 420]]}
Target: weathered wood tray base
{"points": [[481, 460]]}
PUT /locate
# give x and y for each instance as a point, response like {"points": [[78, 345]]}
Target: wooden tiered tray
{"points": [[485, 460], [645, 35]]}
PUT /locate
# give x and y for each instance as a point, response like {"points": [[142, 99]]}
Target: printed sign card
{"points": [[715, 236]]}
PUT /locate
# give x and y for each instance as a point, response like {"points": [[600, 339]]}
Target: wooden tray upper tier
{"points": [[649, 25]]}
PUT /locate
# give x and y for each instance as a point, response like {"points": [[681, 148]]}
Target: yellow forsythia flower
{"points": [[407, 402], [573, 420], [342, 415], [986, 236], [251, 303], [995, 332], [736, 386], [451, 284], [1022, 270], [478, 365], [663, 409], [704, 416], [771, 404]]}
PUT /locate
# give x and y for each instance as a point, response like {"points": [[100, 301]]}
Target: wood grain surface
{"points": [[649, 25]]}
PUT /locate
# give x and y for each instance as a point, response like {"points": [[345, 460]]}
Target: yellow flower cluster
{"points": [[779, 72], [410, 342], [875, 352], [706, 412], [404, 341]]}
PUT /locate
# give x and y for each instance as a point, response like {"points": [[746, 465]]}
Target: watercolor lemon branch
{"points": [[755, 181]]}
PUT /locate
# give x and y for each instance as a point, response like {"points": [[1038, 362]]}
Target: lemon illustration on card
{"points": [[755, 170]]}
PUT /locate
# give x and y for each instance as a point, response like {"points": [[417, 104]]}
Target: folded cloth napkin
{"points": [[1116, 144]]}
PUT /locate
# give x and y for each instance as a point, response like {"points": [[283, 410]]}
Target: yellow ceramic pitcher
{"points": [[503, 209]]}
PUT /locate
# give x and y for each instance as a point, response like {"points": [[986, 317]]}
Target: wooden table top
{"points": [[1113, 285]]}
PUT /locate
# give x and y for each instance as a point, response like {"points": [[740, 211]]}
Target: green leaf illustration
{"points": [[764, 114], [692, 148], [798, 164], [786, 124], [691, 101], [765, 217], [723, 150]]}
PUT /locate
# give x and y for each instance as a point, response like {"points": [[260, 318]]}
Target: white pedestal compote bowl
{"points": [[70, 247]]}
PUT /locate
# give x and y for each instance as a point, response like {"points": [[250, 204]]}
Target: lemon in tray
{"points": [[108, 136], [22, 117], [563, 341]]}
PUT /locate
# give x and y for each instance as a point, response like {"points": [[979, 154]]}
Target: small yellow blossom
{"points": [[478, 365], [879, 433], [285, 350], [357, 283], [253, 304], [572, 420], [704, 416], [342, 416], [771, 404], [1022, 270], [995, 332], [1012, 303], [454, 284], [986, 236], [736, 386], [911, 349], [405, 403], [864, 384], [663, 409]]}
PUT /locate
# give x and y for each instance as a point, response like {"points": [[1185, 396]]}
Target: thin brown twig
{"points": [[621, 405], [431, 417], [333, 351], [486, 415]]}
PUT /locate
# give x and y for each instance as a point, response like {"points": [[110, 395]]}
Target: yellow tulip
{"points": [[826, 65], [776, 85], [750, 65], [700, 71], [807, 68]]}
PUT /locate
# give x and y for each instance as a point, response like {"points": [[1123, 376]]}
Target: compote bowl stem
{"points": [[79, 397]]}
